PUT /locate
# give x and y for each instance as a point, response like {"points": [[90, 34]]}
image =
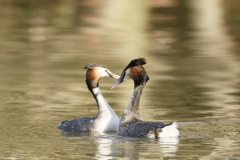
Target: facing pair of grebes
{"points": [[130, 123]]}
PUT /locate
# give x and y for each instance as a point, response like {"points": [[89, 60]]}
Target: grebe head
{"points": [[134, 71], [95, 72]]}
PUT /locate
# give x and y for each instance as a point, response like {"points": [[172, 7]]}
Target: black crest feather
{"points": [[92, 65], [136, 62]]}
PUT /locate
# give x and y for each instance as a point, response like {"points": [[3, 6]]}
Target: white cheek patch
{"points": [[126, 77], [102, 72]]}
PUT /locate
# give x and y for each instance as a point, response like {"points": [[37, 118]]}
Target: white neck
{"points": [[107, 118], [102, 103]]}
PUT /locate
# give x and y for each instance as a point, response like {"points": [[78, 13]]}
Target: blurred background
{"points": [[193, 61]]}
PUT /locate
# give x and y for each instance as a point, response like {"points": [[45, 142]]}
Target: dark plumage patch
{"points": [[92, 65], [80, 124], [136, 62], [147, 78], [140, 129]]}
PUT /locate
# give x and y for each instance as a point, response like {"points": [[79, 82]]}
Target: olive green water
{"points": [[193, 61]]}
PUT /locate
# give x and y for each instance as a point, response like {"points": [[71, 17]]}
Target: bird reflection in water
{"points": [[112, 146]]}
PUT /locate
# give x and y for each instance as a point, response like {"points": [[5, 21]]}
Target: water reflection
{"points": [[169, 146], [105, 148], [110, 146]]}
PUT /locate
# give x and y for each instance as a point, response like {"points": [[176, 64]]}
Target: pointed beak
{"points": [[113, 75], [120, 80]]}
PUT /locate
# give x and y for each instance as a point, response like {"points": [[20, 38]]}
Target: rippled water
{"points": [[192, 51]]}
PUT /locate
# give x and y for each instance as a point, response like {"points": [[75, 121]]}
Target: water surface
{"points": [[192, 52]]}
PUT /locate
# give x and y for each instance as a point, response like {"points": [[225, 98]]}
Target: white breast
{"points": [[107, 119]]}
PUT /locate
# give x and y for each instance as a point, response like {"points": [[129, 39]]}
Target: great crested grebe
{"points": [[131, 123], [106, 119]]}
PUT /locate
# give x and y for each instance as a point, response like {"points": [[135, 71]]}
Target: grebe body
{"points": [[131, 123], [106, 119]]}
